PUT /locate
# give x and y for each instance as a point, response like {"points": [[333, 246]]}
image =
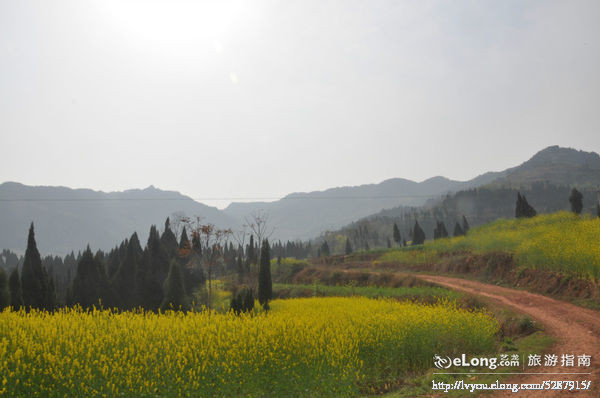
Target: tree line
{"points": [[167, 273]]}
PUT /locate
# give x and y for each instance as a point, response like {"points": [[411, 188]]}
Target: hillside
{"points": [[544, 180], [560, 166], [304, 215], [68, 219]]}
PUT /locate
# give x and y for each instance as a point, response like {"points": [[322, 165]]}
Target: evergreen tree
{"points": [[523, 208], [418, 234], [4, 292], [152, 272], [440, 230], [184, 241], [265, 286], [50, 293], [465, 226], [14, 285], [348, 246], [34, 280], [90, 286], [598, 209], [169, 240], [324, 249], [458, 231], [242, 301], [124, 280], [250, 253], [174, 289], [396, 234], [240, 268], [576, 200]]}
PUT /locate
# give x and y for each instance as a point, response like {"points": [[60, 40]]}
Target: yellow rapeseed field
{"points": [[302, 347], [562, 242]]}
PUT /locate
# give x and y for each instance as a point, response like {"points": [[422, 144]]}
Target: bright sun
{"points": [[177, 20]]}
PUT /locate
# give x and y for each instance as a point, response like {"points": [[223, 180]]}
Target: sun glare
{"points": [[177, 21]]}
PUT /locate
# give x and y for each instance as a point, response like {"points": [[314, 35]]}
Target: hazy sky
{"points": [[263, 98]]}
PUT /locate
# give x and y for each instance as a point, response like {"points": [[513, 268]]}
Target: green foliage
{"points": [[35, 284], [458, 231], [124, 280], [91, 286], [4, 292], [523, 208], [324, 249], [418, 235], [576, 201], [151, 273], [265, 285], [440, 230], [14, 285], [242, 301], [465, 226], [174, 290], [169, 240], [396, 234], [429, 294], [348, 249]]}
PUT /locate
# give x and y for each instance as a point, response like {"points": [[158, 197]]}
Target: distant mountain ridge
{"points": [[561, 166], [304, 215], [68, 219]]}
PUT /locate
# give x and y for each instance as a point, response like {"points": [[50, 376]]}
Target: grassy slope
{"points": [[560, 242]]}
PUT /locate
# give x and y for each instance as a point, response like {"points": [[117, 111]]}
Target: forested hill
{"points": [[545, 180], [305, 215], [68, 219]]}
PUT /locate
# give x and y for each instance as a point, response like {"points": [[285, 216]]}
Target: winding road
{"points": [[576, 330]]}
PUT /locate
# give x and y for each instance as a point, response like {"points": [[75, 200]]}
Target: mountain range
{"points": [[68, 219]]}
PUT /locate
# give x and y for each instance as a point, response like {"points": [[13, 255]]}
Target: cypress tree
{"points": [[14, 285], [248, 300], [152, 272], [325, 249], [34, 280], [169, 240], [418, 235], [465, 226], [598, 209], [519, 206], [250, 253], [174, 289], [458, 231], [576, 200], [523, 208], [90, 285], [348, 246], [184, 241], [124, 280], [396, 233], [240, 268], [440, 230], [265, 286], [4, 292]]}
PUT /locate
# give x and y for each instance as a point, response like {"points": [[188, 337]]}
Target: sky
{"points": [[232, 100]]}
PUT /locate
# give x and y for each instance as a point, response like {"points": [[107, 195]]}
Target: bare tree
{"points": [[259, 225], [240, 236], [177, 222], [207, 243]]}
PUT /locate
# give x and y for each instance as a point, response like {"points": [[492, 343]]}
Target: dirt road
{"points": [[576, 329]]}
